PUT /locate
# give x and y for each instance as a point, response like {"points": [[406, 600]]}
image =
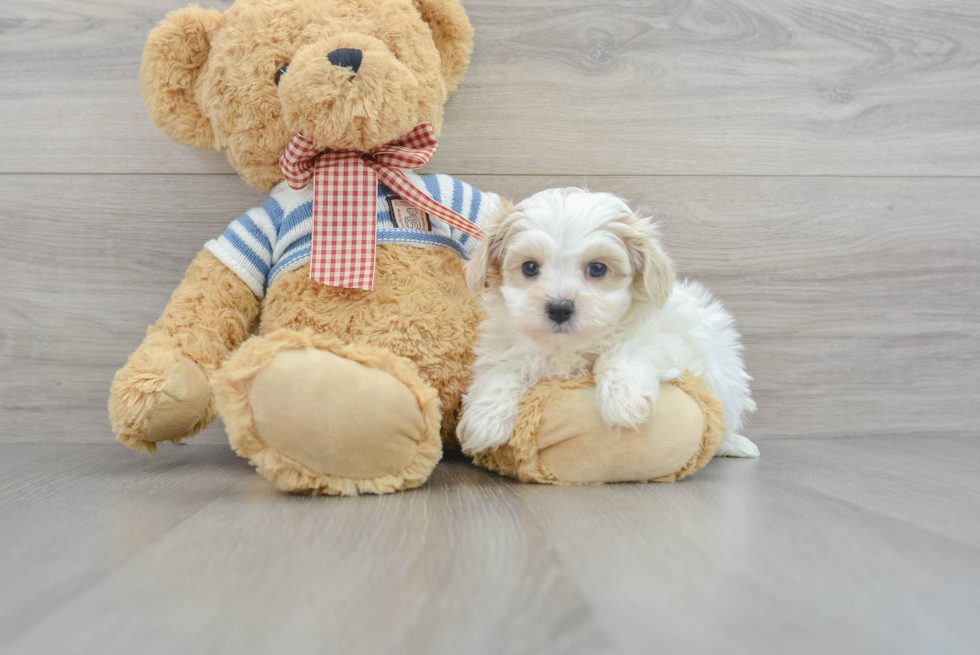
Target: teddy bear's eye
{"points": [[279, 73]]}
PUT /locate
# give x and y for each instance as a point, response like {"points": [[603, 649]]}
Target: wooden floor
{"points": [[815, 162], [865, 545]]}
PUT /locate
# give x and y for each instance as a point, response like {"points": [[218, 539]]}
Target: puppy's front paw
{"points": [[626, 402], [483, 427]]}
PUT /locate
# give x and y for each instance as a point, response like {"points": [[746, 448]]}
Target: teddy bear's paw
{"points": [[152, 402], [318, 416], [562, 437]]}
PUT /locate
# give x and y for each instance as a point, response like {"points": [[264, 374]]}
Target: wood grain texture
{"points": [[107, 551], [816, 164], [859, 299], [776, 87], [767, 556]]}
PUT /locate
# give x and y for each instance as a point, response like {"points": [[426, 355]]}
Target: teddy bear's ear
{"points": [[176, 51], [453, 35]]}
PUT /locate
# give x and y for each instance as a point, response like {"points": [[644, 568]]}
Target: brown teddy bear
{"points": [[352, 270]]}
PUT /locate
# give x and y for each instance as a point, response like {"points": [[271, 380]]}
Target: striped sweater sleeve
{"points": [[464, 199], [247, 246]]}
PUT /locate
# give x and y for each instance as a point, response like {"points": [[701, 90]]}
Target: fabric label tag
{"points": [[406, 215]]}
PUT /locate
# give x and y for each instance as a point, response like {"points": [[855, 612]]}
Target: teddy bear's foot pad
{"points": [[560, 437], [322, 411], [317, 416], [577, 447]]}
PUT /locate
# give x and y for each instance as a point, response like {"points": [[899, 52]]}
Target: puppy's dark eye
{"points": [[530, 269], [280, 73], [596, 269]]}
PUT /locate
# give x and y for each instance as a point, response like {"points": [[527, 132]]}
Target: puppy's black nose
{"points": [[346, 58], [560, 311]]}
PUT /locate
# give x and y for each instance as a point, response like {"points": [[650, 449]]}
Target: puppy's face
{"points": [[569, 266]]}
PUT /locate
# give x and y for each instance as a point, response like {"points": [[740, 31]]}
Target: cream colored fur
{"points": [[584, 287]]}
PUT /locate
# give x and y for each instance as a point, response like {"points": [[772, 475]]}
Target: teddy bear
{"points": [[332, 327]]}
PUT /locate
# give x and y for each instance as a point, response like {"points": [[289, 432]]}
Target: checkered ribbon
{"points": [[345, 196]]}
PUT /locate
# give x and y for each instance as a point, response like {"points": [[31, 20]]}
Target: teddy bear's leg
{"points": [[316, 415], [162, 392], [560, 437]]}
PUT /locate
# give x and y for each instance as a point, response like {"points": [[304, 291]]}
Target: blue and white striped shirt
{"points": [[269, 241]]}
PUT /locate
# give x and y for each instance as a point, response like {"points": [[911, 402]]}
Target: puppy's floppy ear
{"points": [[453, 34], [491, 249], [175, 54], [654, 280], [478, 266]]}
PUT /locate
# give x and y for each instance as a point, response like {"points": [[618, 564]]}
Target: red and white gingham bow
{"points": [[345, 193]]}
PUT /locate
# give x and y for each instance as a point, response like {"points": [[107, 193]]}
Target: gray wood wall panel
{"points": [[816, 164], [570, 87], [859, 298]]}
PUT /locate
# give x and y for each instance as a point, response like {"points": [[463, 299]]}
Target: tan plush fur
{"points": [[714, 425], [419, 309], [208, 317], [235, 380], [209, 80], [519, 458]]}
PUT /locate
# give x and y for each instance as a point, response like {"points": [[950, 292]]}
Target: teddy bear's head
{"points": [[348, 74]]}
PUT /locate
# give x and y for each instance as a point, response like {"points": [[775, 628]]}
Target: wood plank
{"points": [[932, 483], [859, 299], [98, 259], [747, 558], [570, 87], [191, 552], [453, 567], [70, 514]]}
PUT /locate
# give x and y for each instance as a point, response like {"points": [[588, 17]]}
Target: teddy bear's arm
{"points": [[163, 392]]}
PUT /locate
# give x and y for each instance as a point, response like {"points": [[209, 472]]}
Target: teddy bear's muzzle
{"points": [[350, 92]]}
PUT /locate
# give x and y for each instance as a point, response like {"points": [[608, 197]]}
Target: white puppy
{"points": [[577, 282]]}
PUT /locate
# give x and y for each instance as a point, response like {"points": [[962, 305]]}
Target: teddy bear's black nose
{"points": [[346, 58]]}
